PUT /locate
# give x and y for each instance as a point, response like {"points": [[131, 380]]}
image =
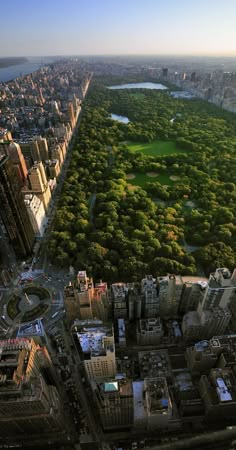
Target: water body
{"points": [[32, 65], [145, 85], [122, 119], [182, 94]]}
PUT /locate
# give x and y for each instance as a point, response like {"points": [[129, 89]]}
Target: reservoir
{"points": [[145, 85], [122, 119]]}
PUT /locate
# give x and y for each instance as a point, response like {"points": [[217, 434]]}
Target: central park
{"points": [[139, 194]]}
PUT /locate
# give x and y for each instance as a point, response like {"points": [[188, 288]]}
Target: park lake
{"points": [[122, 119]]}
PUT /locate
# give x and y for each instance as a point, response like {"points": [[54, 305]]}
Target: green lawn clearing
{"points": [[138, 96], [141, 179], [156, 148]]}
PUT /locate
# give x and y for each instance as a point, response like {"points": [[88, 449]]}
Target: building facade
{"points": [[36, 213], [30, 404], [13, 211], [114, 400], [97, 347], [149, 331]]}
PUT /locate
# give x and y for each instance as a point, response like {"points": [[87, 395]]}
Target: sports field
{"points": [[156, 148]]}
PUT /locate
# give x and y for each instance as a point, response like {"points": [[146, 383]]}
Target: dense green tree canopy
{"points": [[117, 232]]}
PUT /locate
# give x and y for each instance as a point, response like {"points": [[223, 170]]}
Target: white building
{"points": [[98, 347], [36, 213], [220, 290]]}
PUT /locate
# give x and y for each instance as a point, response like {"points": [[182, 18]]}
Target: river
{"points": [[33, 64]]}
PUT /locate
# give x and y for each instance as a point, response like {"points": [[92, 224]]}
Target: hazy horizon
{"points": [[112, 28]]}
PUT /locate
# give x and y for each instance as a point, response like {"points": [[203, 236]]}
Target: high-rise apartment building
{"points": [[84, 301], [40, 149], [158, 403], [13, 211], [57, 153], [134, 302], [71, 114], [192, 293], [5, 135], [36, 213], [18, 160], [220, 290], [115, 404], [149, 331], [218, 393], [30, 403], [101, 305], [164, 71], [204, 324], [97, 348], [39, 184], [85, 294], [71, 302], [119, 300], [150, 297], [170, 290]]}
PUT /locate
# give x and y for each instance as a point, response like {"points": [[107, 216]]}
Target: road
{"points": [[92, 202]]}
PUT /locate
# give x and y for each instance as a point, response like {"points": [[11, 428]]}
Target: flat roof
{"points": [[112, 386], [139, 410], [34, 328]]}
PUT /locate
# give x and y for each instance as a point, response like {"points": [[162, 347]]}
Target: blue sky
{"points": [[66, 27]]}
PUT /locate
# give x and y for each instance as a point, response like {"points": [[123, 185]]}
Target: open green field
{"points": [[156, 148], [138, 96], [141, 179]]}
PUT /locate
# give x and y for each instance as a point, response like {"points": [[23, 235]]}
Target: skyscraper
{"points": [[170, 289], [97, 345], [30, 404], [115, 404], [18, 159], [13, 210], [39, 184], [220, 290]]}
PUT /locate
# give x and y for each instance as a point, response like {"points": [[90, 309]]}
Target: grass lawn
{"points": [[164, 179], [13, 306], [34, 313], [138, 96], [156, 148], [141, 179], [37, 290]]}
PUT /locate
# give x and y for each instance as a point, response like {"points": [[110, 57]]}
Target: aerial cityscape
{"points": [[118, 225]]}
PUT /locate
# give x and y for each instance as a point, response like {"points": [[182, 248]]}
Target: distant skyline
{"points": [[100, 27]]}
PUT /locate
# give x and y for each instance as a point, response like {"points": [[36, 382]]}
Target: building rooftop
{"points": [[139, 409], [119, 290], [193, 280], [31, 329], [222, 278], [157, 395], [92, 339], [150, 325], [148, 283], [112, 386], [154, 363], [224, 382], [121, 385]]}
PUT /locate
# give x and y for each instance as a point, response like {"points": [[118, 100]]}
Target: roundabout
{"points": [[28, 303]]}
